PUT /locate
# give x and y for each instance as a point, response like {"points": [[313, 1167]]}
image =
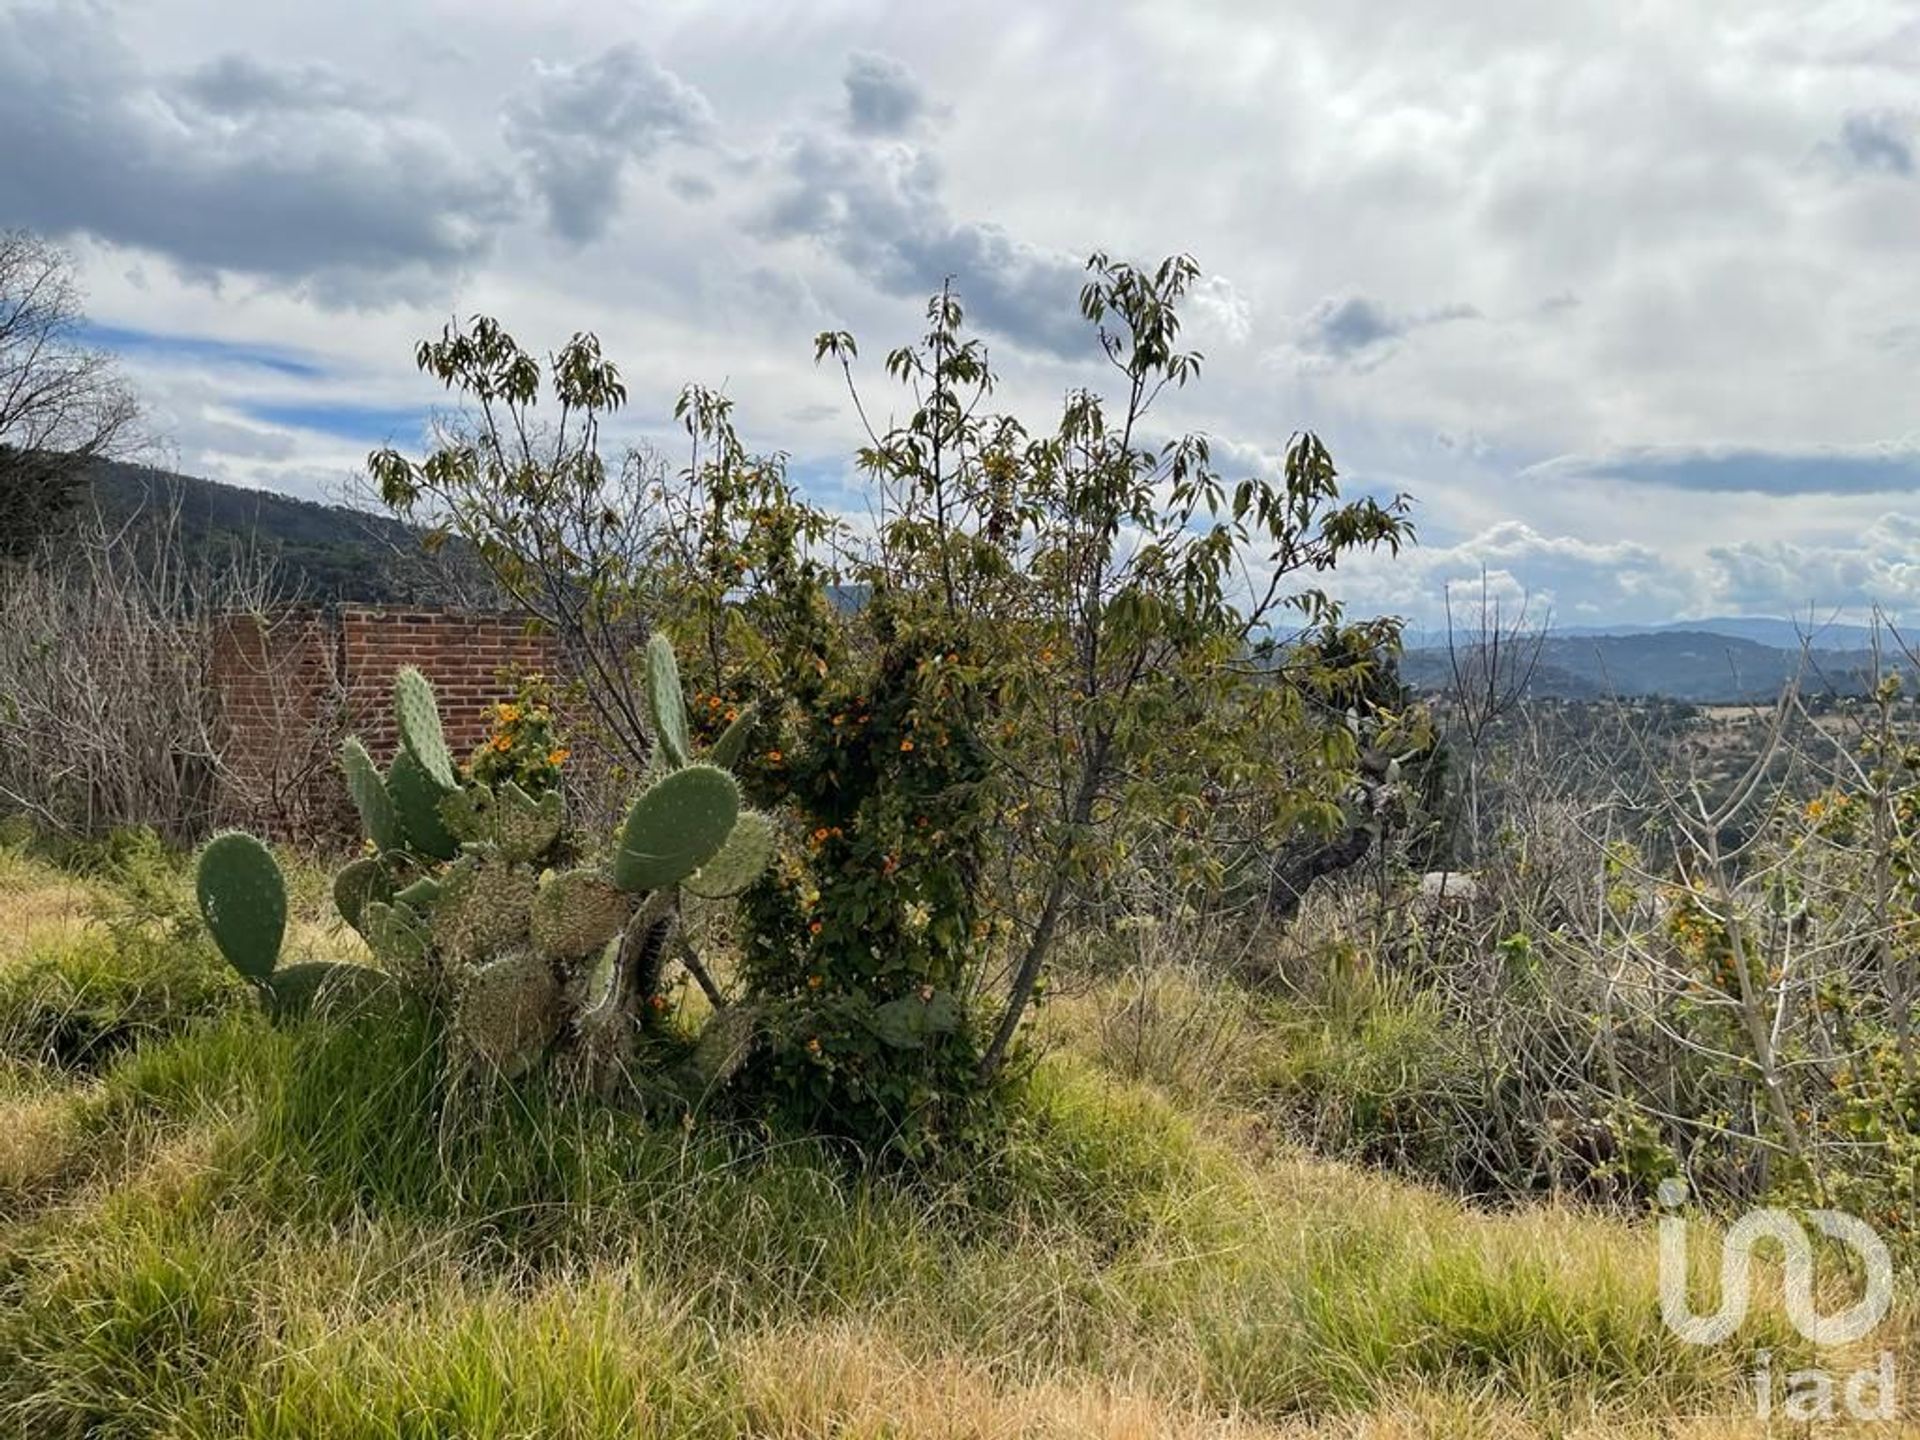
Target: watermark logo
{"points": [[1810, 1393]]}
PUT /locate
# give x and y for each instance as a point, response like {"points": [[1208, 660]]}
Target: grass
{"points": [[216, 1227]]}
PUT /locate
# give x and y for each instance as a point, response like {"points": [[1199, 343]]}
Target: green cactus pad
{"points": [[322, 987], [909, 1022], [741, 861], [675, 827], [732, 744], [576, 913], [468, 814], [416, 801], [243, 899], [421, 894], [666, 701], [725, 1045], [359, 882], [524, 828], [401, 943], [418, 715], [484, 909], [377, 815], [507, 1012]]}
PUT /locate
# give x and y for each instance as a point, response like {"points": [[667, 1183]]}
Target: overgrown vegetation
{"points": [[1012, 904]]}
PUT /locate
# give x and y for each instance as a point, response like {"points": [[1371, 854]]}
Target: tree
{"points": [[1058, 649], [63, 404]]}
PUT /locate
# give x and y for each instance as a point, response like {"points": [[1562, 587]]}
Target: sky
{"points": [[1625, 295]]}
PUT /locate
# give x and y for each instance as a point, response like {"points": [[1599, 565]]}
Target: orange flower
{"points": [[814, 982], [774, 757], [732, 715], [509, 714], [815, 928], [658, 1002], [820, 835], [503, 743], [906, 746], [558, 757]]}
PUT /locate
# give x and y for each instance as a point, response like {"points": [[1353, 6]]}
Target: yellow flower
{"points": [[509, 713], [503, 743]]}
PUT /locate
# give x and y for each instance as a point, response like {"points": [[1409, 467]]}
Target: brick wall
{"points": [[293, 684]]}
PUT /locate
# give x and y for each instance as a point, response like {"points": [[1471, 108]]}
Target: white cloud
{"points": [[1685, 246]]}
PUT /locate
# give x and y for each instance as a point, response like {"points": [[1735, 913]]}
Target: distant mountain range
{"points": [[320, 552], [1680, 663], [331, 552]]}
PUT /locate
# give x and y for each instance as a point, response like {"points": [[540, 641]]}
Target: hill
{"points": [[1677, 664], [323, 552]]}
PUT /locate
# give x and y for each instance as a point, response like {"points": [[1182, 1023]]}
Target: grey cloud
{"points": [[1782, 575], [577, 127], [1877, 142], [884, 97], [879, 210], [1822, 470], [239, 85], [353, 204], [1357, 330], [1344, 326]]}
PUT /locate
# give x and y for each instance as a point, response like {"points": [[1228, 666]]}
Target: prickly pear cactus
{"points": [[359, 882], [243, 900], [377, 814], [462, 912], [420, 734], [506, 1013], [677, 826], [666, 702], [416, 799], [740, 861], [576, 913]]}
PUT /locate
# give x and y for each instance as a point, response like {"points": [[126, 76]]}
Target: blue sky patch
{"points": [[147, 344]]}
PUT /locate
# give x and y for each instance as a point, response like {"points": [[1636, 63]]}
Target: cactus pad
{"points": [[507, 1012], [909, 1022], [483, 909], [322, 987], [468, 814], [732, 744], [524, 828], [358, 882], [741, 861], [416, 800], [419, 717], [576, 913], [243, 899], [399, 940], [666, 702], [377, 815], [676, 827]]}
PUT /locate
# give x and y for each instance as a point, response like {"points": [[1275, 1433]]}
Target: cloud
{"points": [[577, 128], [884, 97], [1357, 330], [1812, 470], [1876, 142], [241, 86], [292, 174], [1782, 576], [878, 207]]}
